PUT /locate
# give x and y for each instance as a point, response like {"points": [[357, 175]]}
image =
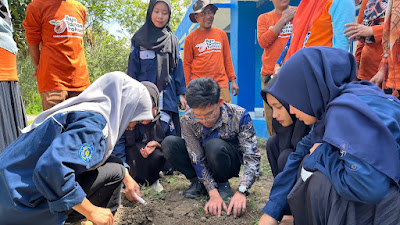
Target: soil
{"points": [[171, 208]]}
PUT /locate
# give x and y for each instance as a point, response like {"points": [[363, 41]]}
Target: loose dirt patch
{"points": [[171, 208]]}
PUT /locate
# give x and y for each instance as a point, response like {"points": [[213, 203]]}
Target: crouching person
{"points": [[347, 170], [218, 138], [61, 163]]}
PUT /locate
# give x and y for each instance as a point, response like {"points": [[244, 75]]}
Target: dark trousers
{"points": [[145, 171], [277, 157], [316, 201], [102, 186], [221, 158]]}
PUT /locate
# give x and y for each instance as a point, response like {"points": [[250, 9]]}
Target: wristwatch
{"points": [[243, 189]]}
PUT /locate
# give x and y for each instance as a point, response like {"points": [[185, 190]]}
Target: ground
{"points": [[171, 208]]}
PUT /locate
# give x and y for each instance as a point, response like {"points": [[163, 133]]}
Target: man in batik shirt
{"points": [[218, 138]]}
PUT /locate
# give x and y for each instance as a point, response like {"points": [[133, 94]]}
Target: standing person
{"points": [[155, 58], [62, 161], [206, 52], [218, 138], [12, 110], [319, 23], [352, 172], [54, 32], [140, 148], [387, 77], [273, 31], [368, 31]]}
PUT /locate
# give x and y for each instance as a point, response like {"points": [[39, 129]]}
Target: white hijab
{"points": [[116, 96]]}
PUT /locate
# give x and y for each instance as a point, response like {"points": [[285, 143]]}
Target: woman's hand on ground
{"points": [[237, 205], [98, 215], [215, 205], [131, 187]]}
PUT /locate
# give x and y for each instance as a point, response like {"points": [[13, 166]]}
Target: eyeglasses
{"points": [[208, 12], [215, 114]]}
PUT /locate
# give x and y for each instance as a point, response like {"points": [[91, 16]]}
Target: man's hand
{"points": [[267, 220], [182, 99], [215, 205], [131, 187], [355, 31], [237, 205], [235, 87], [380, 75], [288, 14], [150, 147]]}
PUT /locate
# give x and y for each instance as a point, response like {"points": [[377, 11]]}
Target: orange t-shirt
{"points": [[8, 66], [58, 26], [321, 32], [207, 54], [369, 54], [272, 43]]}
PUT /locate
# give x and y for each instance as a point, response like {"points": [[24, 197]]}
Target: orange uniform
{"points": [[207, 54], [369, 54], [58, 26], [272, 43], [8, 66]]}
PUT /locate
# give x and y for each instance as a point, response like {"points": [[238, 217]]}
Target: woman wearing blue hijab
{"points": [[352, 174]]}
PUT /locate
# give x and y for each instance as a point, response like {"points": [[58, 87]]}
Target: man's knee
{"points": [[172, 146]]}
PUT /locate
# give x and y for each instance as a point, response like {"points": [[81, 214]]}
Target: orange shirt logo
{"points": [[69, 23], [209, 44]]}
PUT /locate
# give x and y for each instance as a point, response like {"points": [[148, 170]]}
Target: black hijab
{"points": [[154, 95], [289, 136], [160, 40]]}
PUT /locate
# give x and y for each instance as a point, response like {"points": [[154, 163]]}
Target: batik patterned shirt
{"points": [[235, 127]]}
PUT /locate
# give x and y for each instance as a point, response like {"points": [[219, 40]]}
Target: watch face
{"points": [[242, 188]]}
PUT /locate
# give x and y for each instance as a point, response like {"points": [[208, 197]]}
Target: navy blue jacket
{"points": [[142, 66], [37, 171]]}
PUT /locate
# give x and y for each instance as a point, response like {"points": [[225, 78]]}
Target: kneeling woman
{"points": [[289, 130], [62, 161], [352, 173], [140, 148]]}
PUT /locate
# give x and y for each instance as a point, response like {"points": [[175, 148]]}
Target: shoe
{"points": [[157, 187], [195, 190], [224, 190]]}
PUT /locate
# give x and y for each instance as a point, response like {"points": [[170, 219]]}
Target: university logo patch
{"points": [[86, 152]]}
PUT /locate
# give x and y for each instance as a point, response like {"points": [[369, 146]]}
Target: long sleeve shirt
{"points": [[59, 27], [38, 170], [369, 55], [142, 66], [207, 54], [272, 43], [235, 127]]}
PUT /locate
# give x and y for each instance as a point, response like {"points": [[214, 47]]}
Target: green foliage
{"points": [[104, 52], [17, 10]]}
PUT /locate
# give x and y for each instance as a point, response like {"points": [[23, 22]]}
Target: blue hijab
{"points": [[356, 117]]}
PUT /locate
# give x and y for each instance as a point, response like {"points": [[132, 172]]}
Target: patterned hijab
{"points": [[374, 12]]}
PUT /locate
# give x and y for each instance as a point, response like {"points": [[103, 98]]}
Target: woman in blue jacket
{"points": [[62, 160], [352, 174], [155, 58]]}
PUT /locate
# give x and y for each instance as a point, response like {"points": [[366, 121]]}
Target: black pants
{"points": [[316, 201], [102, 186], [277, 157], [145, 171], [221, 158]]}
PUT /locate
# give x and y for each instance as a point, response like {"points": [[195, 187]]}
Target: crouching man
{"points": [[218, 138]]}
